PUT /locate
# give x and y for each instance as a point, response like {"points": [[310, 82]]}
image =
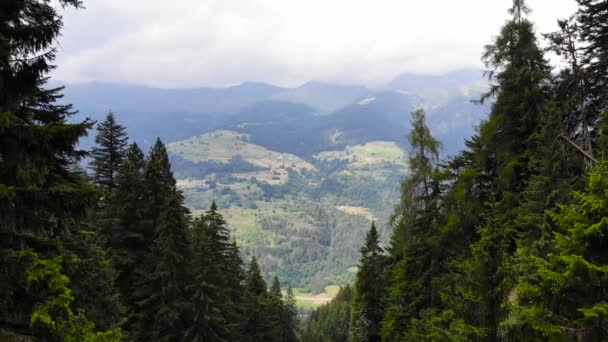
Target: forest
{"points": [[505, 241]]}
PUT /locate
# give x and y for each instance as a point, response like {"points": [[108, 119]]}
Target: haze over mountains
{"points": [[298, 172]]}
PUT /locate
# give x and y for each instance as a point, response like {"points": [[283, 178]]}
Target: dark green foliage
{"points": [[109, 153], [163, 304], [330, 322], [43, 201], [567, 294], [369, 291], [127, 237], [217, 278], [257, 307]]}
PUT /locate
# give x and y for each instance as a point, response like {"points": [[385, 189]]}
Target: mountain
{"points": [[325, 97], [299, 172], [172, 114], [440, 88]]}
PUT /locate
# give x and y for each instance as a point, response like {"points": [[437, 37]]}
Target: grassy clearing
{"points": [[222, 145], [309, 300], [359, 211]]}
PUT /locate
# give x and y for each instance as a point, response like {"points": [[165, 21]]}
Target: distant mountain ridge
{"points": [[353, 111]]}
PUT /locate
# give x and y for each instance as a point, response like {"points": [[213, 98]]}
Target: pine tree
{"points": [[276, 308], [109, 153], [289, 317], [416, 251], [520, 92], [368, 301], [566, 296], [128, 237], [43, 201], [216, 280], [163, 309], [415, 190], [591, 18], [257, 325]]}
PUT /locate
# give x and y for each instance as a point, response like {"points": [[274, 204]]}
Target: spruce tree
{"points": [[216, 280], [369, 291], [128, 237], [43, 201], [289, 317], [163, 313], [591, 18], [566, 295], [416, 251], [109, 153], [257, 325]]}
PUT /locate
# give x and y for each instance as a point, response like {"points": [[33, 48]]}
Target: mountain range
{"points": [[300, 172]]}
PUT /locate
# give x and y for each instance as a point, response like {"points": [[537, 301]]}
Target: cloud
{"points": [[287, 42]]}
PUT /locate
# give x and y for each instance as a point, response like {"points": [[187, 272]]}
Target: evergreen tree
{"points": [[566, 296], [43, 201], [216, 280], [368, 302], [109, 153], [415, 190], [289, 317], [163, 308], [128, 238], [257, 325], [591, 18], [416, 252]]}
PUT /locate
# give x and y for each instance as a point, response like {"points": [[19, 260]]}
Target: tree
{"points": [[591, 18], [416, 251], [289, 317], [163, 309], [566, 296], [43, 201], [128, 237], [257, 325], [415, 189], [111, 150], [216, 280], [368, 302]]}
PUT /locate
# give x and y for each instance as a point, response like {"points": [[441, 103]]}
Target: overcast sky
{"points": [[185, 43]]}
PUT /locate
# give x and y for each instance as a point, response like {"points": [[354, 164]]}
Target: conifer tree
{"points": [[109, 153], [216, 280], [128, 238], [416, 251], [163, 309], [42, 200], [289, 317], [257, 325], [520, 93], [591, 18], [368, 302], [416, 189], [566, 296]]}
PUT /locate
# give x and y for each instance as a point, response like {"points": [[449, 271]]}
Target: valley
{"points": [[299, 173]]}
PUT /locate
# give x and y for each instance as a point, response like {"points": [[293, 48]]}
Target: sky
{"points": [[192, 43]]}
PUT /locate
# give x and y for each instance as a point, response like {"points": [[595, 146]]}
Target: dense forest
{"points": [[507, 240], [504, 241]]}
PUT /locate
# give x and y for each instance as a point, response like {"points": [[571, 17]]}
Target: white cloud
{"points": [[286, 42]]}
